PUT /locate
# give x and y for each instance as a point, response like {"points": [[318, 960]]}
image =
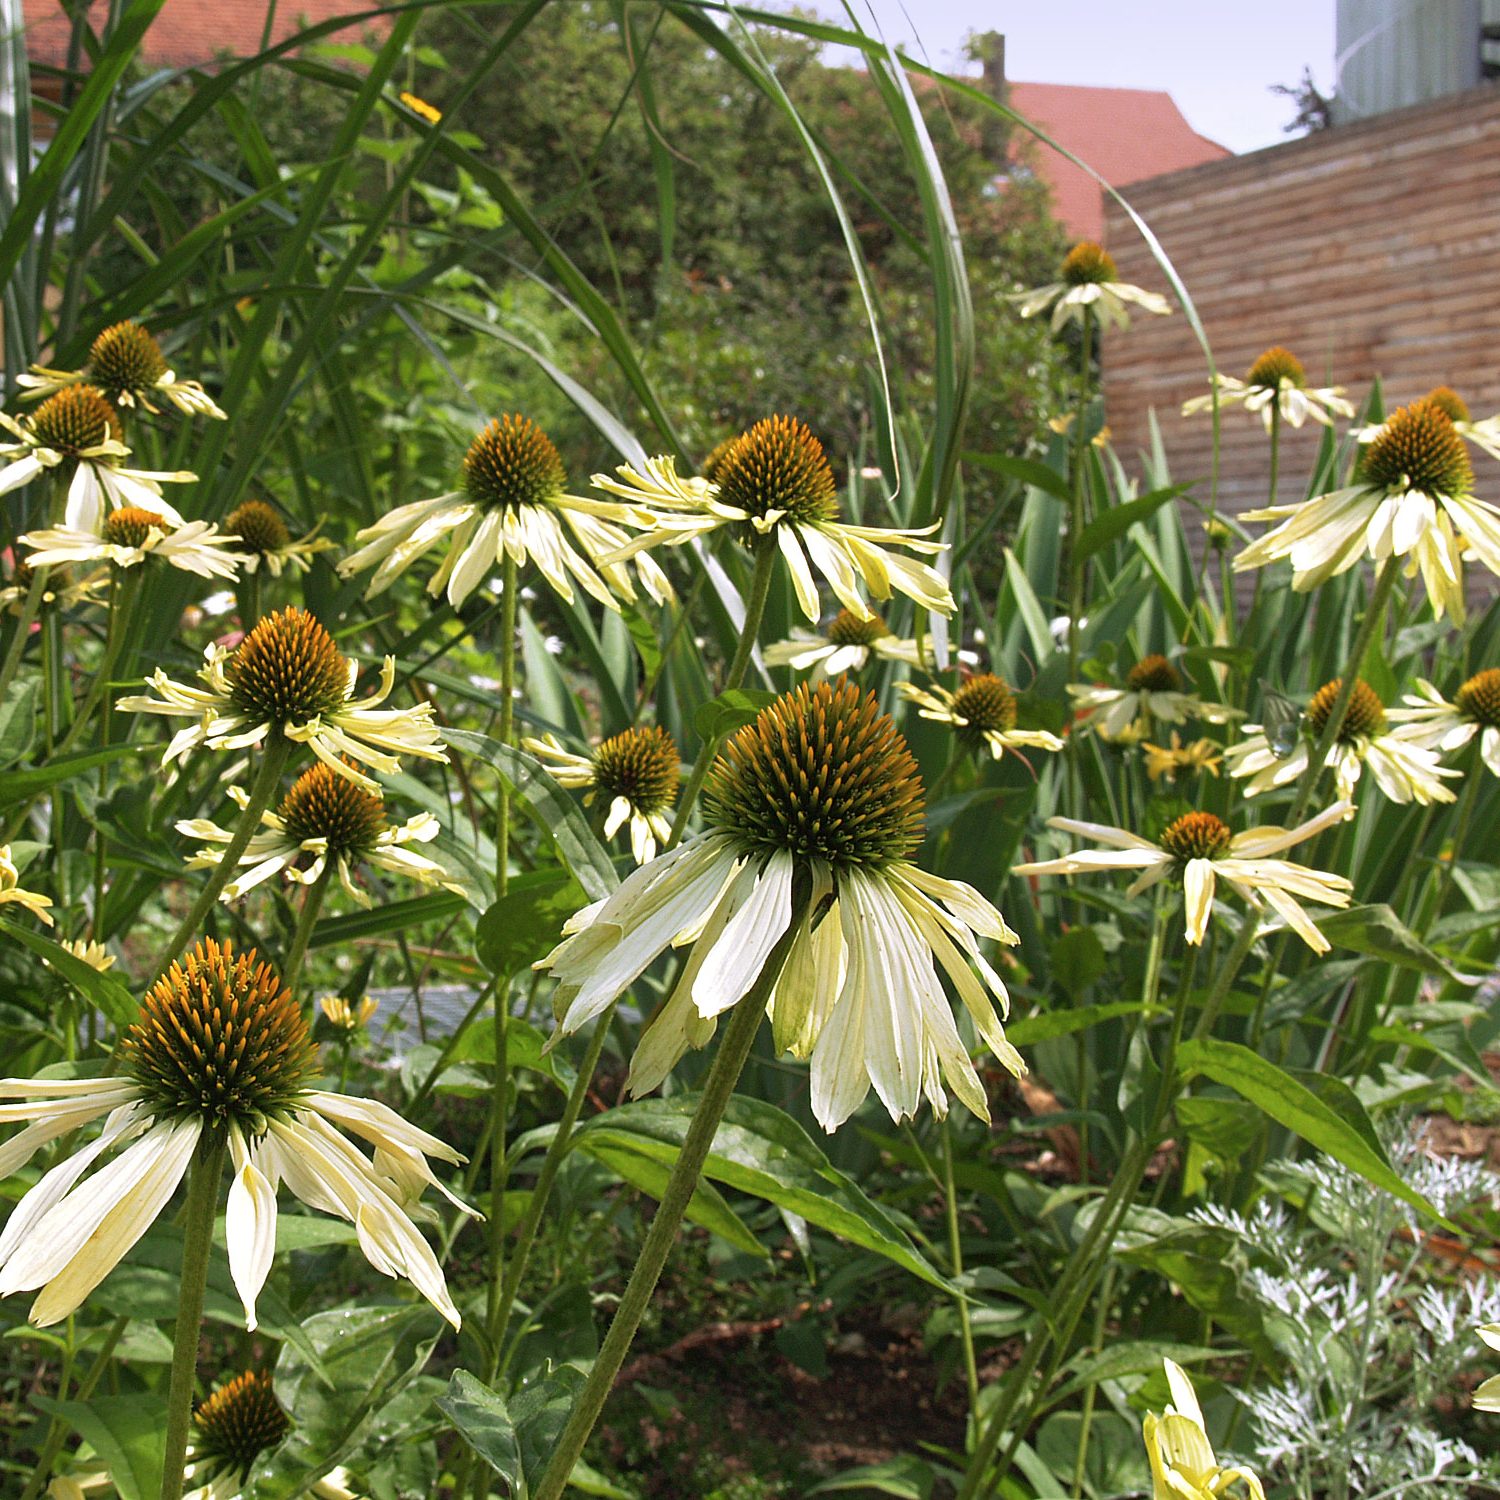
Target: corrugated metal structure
{"points": [[1391, 53]]}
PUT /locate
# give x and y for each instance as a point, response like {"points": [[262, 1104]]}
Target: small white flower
{"points": [[288, 677], [1430, 721], [775, 481], [1153, 692], [1089, 284], [263, 536], [324, 816], [128, 536], [1199, 849], [1404, 770], [1277, 383], [847, 646], [514, 502], [981, 712], [127, 365]]}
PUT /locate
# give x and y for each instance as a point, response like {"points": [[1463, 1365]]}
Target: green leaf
{"points": [[126, 1433], [103, 991], [906, 1476], [707, 1207], [1042, 1028], [1039, 476], [1225, 1127], [483, 1419], [1118, 519], [21, 786], [555, 812], [541, 1411], [381, 921], [1335, 1124], [1377, 930], [1077, 959], [758, 1149], [720, 717], [18, 719], [525, 923]]}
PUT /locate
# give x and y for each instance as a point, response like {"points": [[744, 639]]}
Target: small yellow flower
{"points": [[10, 888], [1183, 1466], [1201, 755], [348, 1017]]}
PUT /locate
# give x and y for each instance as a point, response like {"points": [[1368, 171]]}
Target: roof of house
{"points": [[1125, 135], [187, 33]]}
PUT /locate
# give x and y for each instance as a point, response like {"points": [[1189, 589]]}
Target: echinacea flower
{"points": [[61, 587], [1484, 433], [10, 889], [127, 365], [982, 712], [220, 1055], [1431, 721], [847, 646], [1199, 850], [637, 770], [775, 481], [1089, 284], [79, 426], [1411, 498], [324, 816], [288, 678], [346, 1017], [1183, 1466], [1153, 692], [514, 502], [232, 1427], [1170, 760], [1403, 770], [819, 794], [1487, 1395], [128, 536], [95, 955], [264, 539], [1275, 386]]}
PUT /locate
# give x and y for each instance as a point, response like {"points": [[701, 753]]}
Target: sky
{"points": [[1217, 59]]}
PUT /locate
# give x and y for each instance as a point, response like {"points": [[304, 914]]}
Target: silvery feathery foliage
{"points": [[1368, 1342]]}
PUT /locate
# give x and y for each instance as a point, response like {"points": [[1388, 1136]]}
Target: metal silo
{"points": [[1395, 52]]}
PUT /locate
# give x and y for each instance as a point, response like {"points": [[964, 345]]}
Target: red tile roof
{"points": [[190, 32], [1123, 134]]}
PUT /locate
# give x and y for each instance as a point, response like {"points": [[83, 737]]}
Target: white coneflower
{"points": [[220, 1052], [1403, 770], [1411, 498], [514, 502], [128, 536], [263, 536], [846, 646], [1183, 1466], [1198, 849], [324, 816], [11, 891], [775, 480], [1431, 721], [1484, 433], [287, 677], [79, 426], [982, 712], [127, 365], [638, 770], [1153, 692], [1276, 385], [61, 588], [1089, 282], [820, 792]]}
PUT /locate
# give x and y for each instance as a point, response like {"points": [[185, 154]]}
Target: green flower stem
{"points": [[274, 756], [956, 1261], [734, 1051], [198, 1239], [57, 1430], [123, 589], [248, 599], [312, 904], [541, 1190], [1077, 566], [1467, 802], [755, 607], [499, 1099], [30, 606]]}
